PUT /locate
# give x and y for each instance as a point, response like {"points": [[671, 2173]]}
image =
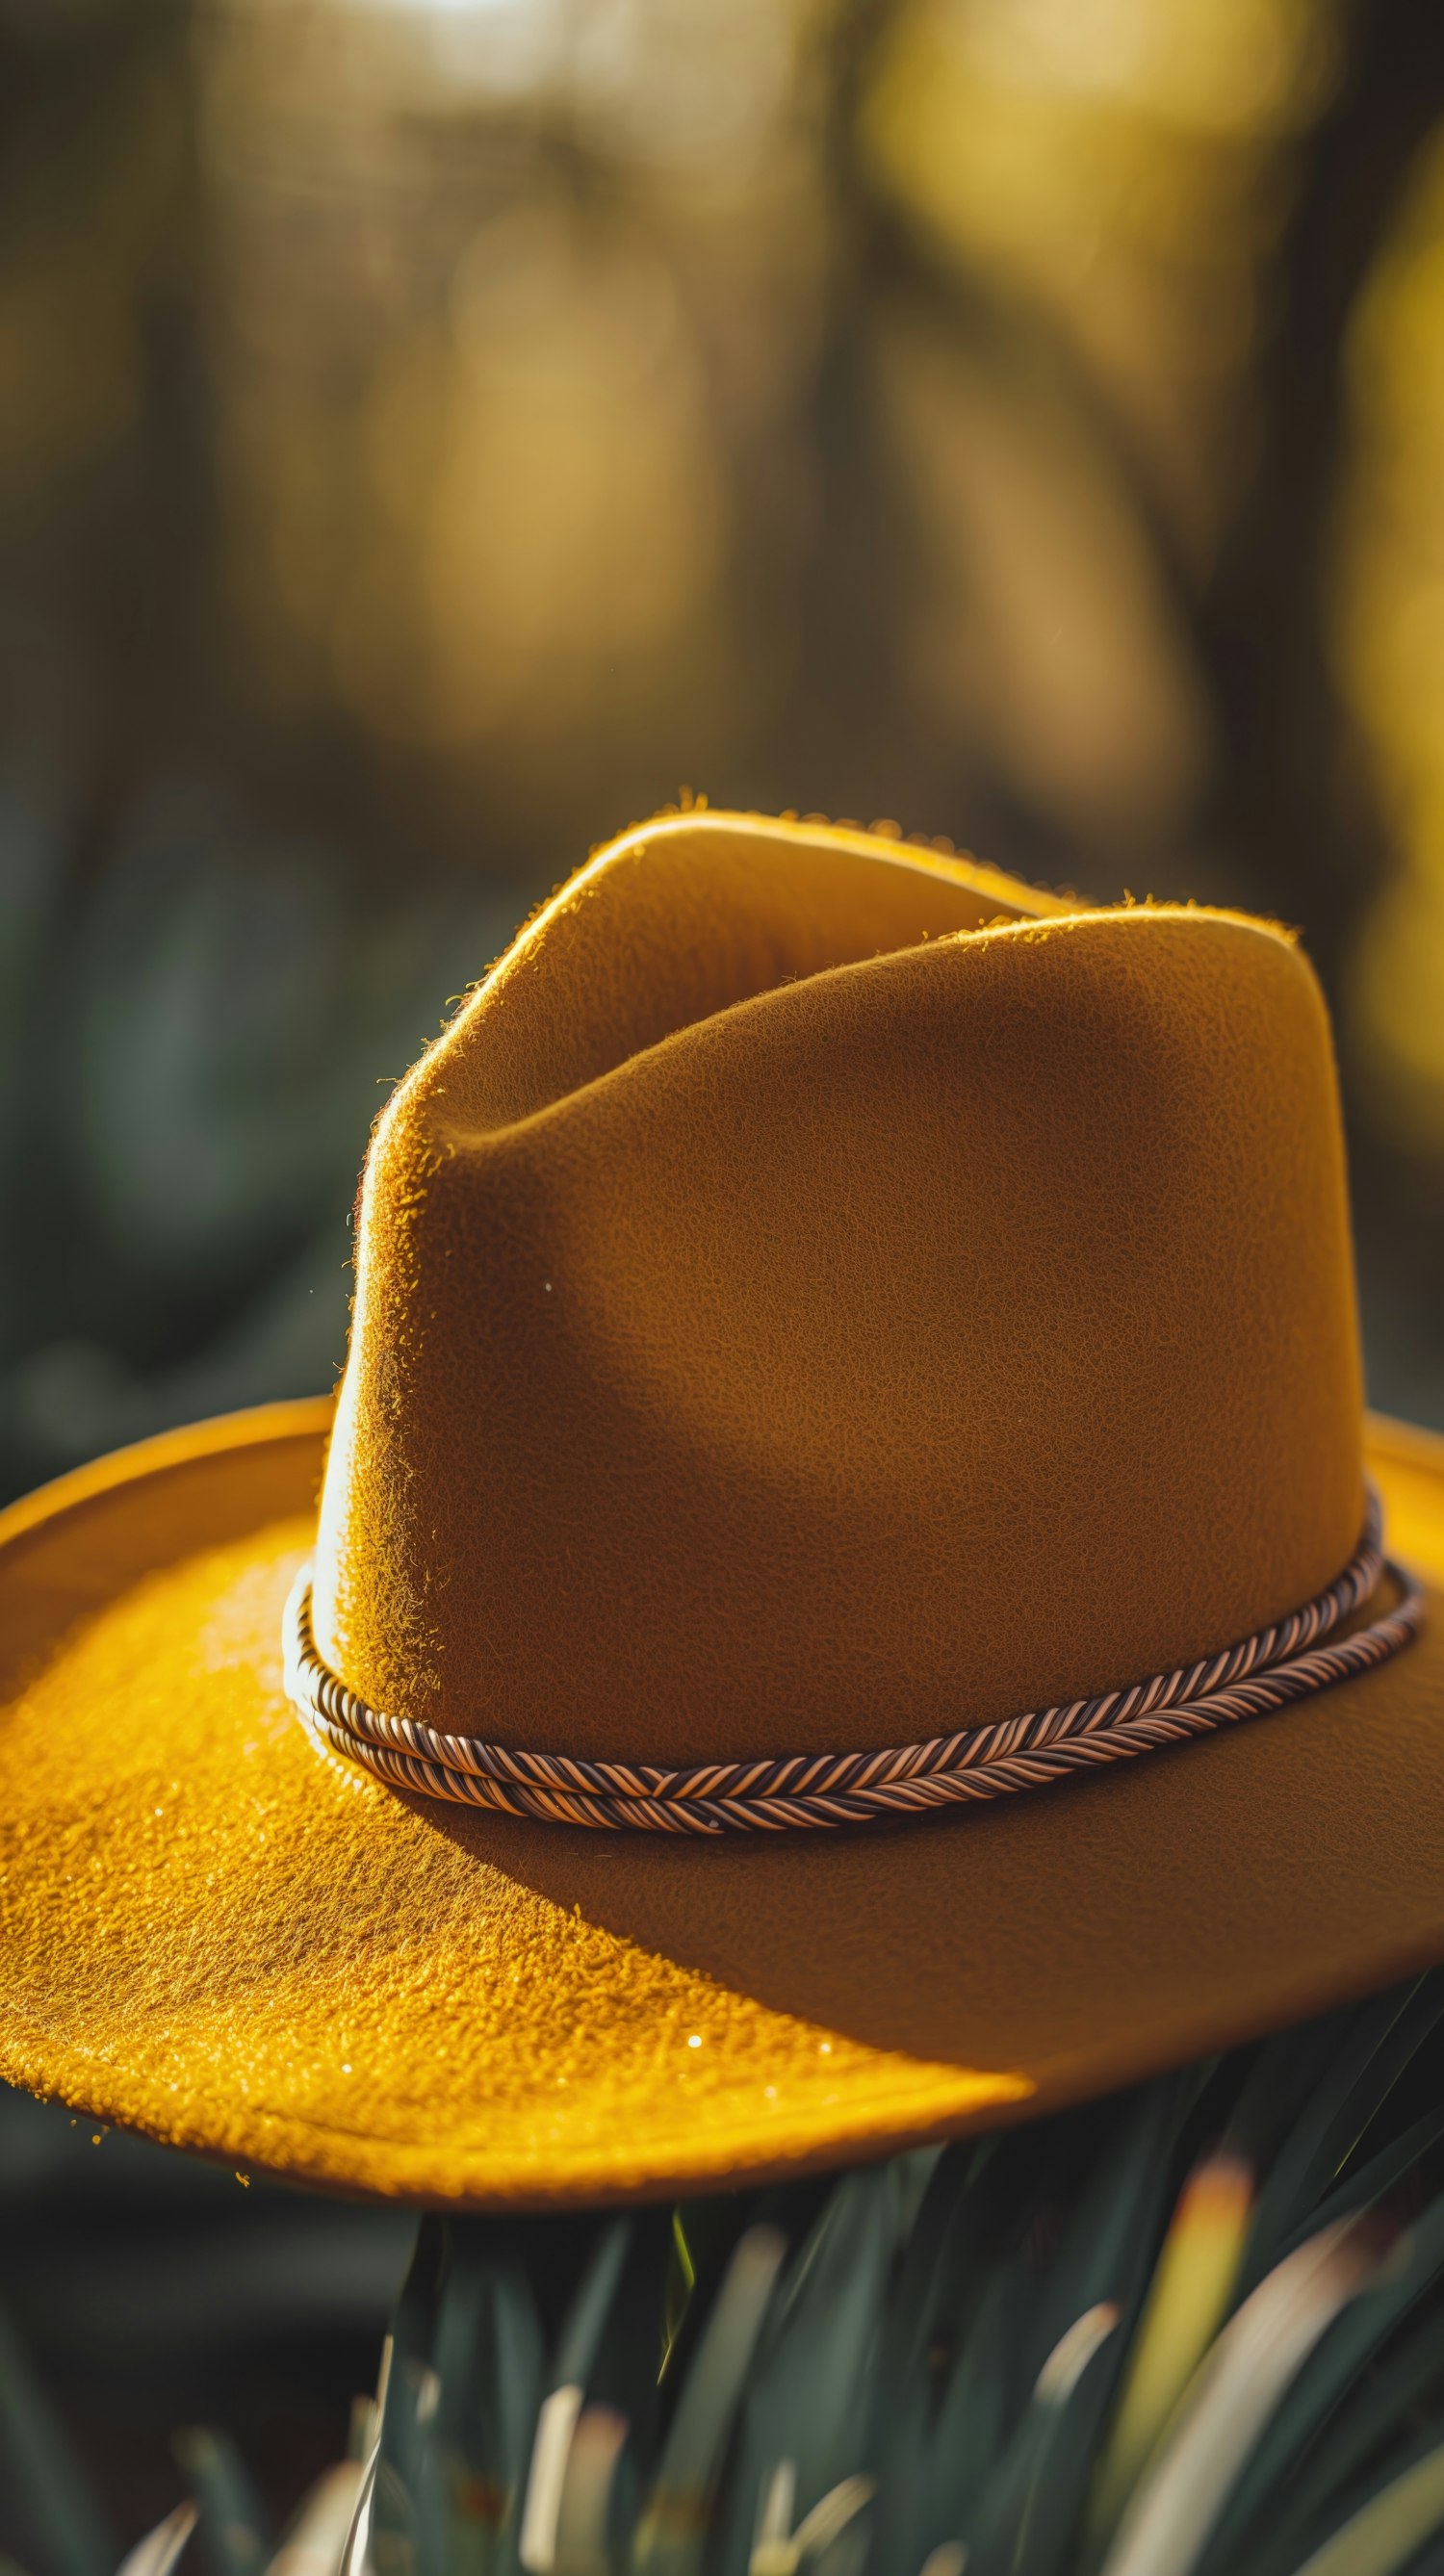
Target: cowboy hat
{"points": [[846, 1349]]}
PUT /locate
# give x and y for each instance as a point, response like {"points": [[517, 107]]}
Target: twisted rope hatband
{"points": [[1264, 1672]]}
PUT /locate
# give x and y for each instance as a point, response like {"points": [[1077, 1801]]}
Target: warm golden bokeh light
{"points": [[1390, 640], [1119, 165], [490, 492], [1042, 624], [484, 498]]}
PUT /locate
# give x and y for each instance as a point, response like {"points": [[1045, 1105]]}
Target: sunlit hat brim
{"points": [[210, 1933]]}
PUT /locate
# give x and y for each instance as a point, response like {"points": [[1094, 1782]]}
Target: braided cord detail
{"points": [[1285, 1662]]}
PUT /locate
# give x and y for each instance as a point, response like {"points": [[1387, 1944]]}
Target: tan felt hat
{"points": [[846, 1349]]}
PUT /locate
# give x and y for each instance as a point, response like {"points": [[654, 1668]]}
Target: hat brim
{"points": [[212, 1934]]}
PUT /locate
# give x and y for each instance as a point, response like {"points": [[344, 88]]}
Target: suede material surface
{"points": [[817, 1295], [212, 1934]]}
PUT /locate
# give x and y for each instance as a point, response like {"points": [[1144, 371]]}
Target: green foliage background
{"points": [[1194, 2330]]}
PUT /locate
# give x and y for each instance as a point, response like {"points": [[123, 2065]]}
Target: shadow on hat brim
{"points": [[211, 1934]]}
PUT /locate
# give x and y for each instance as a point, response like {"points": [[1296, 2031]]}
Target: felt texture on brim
{"points": [[210, 1933]]}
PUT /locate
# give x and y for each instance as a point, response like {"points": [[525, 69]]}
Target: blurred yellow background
{"points": [[438, 432]]}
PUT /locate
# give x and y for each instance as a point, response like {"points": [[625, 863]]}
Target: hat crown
{"points": [[818, 1295]]}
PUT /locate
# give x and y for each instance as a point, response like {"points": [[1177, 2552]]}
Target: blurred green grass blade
{"points": [[831, 2540], [546, 2476], [820, 2530], [953, 2372], [674, 2520], [681, 2283], [489, 2364], [1429, 2561], [1410, 2271], [1370, 2413], [1281, 2073], [354, 2556], [940, 2243], [809, 2399], [1188, 2299], [1050, 2538], [43, 2478], [710, 2231], [407, 2393], [579, 2351], [1173, 2511], [624, 2367], [1025, 2518], [362, 2428], [1285, 2540], [1105, 2262], [940, 2278], [914, 2170], [160, 2550], [1105, 2259], [314, 2540], [612, 2344], [1385, 2534], [233, 2531], [935, 2282], [1372, 2055], [582, 2333], [1382, 2173], [1109, 2242], [584, 2514], [1414, 2028], [971, 2424]]}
